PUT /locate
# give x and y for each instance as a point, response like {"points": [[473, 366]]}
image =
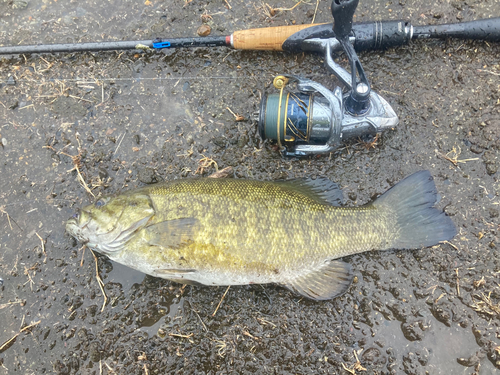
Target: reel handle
{"points": [[343, 12], [358, 101]]}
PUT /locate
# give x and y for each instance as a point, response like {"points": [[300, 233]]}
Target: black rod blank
{"points": [[213, 41], [486, 29]]}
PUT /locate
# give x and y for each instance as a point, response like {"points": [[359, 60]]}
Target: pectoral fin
{"points": [[172, 233], [329, 281]]}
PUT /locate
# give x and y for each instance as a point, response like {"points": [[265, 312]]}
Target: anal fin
{"points": [[329, 281]]}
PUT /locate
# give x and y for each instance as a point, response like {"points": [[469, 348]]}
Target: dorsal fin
{"points": [[322, 190]]}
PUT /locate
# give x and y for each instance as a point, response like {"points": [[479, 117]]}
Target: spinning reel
{"points": [[315, 120]]}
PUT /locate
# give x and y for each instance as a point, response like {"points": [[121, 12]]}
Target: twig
{"points": [[8, 342], [222, 299], [458, 282], [99, 281]]}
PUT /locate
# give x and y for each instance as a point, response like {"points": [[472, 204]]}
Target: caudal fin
{"points": [[418, 223]]}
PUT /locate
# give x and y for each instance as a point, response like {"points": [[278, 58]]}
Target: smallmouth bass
{"points": [[235, 232]]}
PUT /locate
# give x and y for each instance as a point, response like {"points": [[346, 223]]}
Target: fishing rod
{"points": [[365, 36], [313, 120]]}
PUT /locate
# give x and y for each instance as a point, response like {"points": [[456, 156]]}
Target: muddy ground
{"points": [[130, 118]]}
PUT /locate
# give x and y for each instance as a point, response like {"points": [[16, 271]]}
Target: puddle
{"points": [[125, 276], [165, 318], [442, 344]]}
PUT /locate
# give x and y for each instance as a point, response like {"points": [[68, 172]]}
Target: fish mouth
{"points": [[75, 230]]}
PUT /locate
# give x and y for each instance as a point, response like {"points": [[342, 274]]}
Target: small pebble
{"points": [[19, 4], [204, 30], [1, 281]]}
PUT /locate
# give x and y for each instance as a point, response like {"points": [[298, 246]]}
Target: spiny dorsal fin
{"points": [[171, 233], [322, 190], [331, 280]]}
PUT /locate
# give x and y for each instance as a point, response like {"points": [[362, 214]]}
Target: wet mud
{"points": [[125, 119]]}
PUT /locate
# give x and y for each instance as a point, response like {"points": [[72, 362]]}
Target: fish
{"points": [[230, 231]]}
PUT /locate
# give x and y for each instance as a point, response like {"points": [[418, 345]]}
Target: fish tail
{"points": [[418, 224]]}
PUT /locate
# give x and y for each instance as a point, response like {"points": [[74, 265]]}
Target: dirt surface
{"points": [[130, 118]]}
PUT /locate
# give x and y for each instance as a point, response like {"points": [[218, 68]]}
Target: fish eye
{"points": [[101, 202]]}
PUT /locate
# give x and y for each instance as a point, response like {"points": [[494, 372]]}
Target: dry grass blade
{"points": [[3, 306], [2, 210], [270, 12], [453, 155], [315, 11], [110, 368], [222, 299], [486, 305], [222, 173], [99, 281], [236, 116], [205, 163], [83, 253], [356, 367], [77, 162], [43, 243], [179, 335], [10, 341], [246, 333]]}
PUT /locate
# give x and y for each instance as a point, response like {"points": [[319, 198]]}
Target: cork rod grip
{"points": [[269, 38]]}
